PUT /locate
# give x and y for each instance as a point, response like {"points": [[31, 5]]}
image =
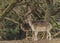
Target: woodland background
{"points": [[12, 12]]}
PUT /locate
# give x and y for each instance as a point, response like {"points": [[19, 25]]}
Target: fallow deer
{"points": [[38, 26]]}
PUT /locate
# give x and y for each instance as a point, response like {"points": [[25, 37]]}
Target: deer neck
{"points": [[31, 25]]}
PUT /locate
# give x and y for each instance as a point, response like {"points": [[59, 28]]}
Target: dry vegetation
{"points": [[12, 13]]}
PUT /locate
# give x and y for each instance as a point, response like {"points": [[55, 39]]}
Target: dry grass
{"points": [[30, 41]]}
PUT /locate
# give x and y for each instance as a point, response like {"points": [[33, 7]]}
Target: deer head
{"points": [[27, 17]]}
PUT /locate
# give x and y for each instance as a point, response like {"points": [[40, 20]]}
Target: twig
{"points": [[55, 22], [56, 11], [4, 13], [11, 20], [56, 34], [8, 9]]}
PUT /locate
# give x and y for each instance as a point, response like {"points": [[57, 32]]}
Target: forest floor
{"points": [[30, 41]]}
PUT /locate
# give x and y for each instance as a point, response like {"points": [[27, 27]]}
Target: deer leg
{"points": [[33, 35], [35, 38], [48, 35], [27, 33], [43, 35]]}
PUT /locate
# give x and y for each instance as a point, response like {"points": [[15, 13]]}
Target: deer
{"points": [[38, 26]]}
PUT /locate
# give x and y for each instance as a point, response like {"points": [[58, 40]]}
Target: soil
{"points": [[31, 41]]}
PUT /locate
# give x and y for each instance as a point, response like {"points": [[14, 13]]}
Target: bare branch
{"points": [[11, 20], [6, 11], [56, 34]]}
